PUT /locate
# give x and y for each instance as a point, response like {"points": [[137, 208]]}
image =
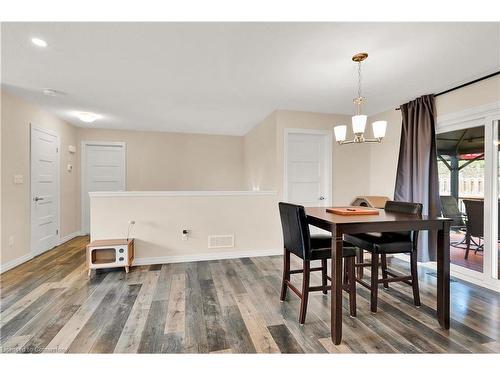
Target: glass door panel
{"points": [[461, 167]]}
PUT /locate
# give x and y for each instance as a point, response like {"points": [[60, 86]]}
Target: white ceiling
{"points": [[224, 78]]}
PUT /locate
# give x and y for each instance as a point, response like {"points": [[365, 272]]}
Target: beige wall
{"points": [[160, 221], [173, 161], [177, 161], [16, 118], [264, 154], [260, 155], [384, 156], [480, 93], [350, 167], [155, 161]]}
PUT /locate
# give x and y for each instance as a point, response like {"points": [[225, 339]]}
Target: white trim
{"points": [[457, 272], [83, 155], [15, 262], [107, 194], [492, 261], [206, 256], [69, 237], [328, 162], [467, 118], [58, 185]]}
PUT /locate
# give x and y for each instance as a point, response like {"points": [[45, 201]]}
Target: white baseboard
{"points": [[69, 237], [455, 273], [206, 256], [15, 262]]}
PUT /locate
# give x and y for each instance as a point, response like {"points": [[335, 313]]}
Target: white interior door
{"points": [[308, 167], [44, 190], [103, 169]]}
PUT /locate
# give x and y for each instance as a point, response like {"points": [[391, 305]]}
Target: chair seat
{"points": [[321, 247], [321, 241], [381, 243]]}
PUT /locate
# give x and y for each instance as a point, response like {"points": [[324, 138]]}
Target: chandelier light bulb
{"points": [[340, 132], [359, 124], [379, 128]]}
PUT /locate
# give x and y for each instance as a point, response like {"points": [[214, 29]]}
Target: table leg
{"points": [[336, 292], [443, 276]]}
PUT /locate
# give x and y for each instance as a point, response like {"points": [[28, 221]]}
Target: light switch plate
{"points": [[69, 167], [18, 179]]}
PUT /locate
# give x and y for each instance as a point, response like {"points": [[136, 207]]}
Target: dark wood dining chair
{"points": [[299, 241], [381, 244]]}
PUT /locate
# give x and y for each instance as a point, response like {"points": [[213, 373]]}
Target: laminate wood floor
{"points": [[225, 306]]}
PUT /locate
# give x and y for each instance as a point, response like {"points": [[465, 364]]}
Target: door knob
{"points": [[36, 199], [322, 198]]}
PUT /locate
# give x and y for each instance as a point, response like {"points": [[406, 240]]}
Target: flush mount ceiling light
{"points": [[359, 120], [87, 116], [39, 42], [51, 92]]}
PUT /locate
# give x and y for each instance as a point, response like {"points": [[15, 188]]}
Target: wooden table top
{"points": [[383, 216]]}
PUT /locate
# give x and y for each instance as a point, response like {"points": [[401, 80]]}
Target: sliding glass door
{"points": [[495, 259], [468, 148]]}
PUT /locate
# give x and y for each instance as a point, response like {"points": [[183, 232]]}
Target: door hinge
{"points": [[57, 231], [57, 150]]}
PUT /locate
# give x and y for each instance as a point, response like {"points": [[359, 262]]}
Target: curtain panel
{"points": [[417, 173]]}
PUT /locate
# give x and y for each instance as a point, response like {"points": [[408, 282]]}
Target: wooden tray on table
{"points": [[352, 211]]}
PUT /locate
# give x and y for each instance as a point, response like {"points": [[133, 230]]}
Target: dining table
{"points": [[382, 221]]}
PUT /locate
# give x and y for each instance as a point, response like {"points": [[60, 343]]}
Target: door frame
{"points": [[57, 195], [488, 116], [328, 159], [83, 171]]}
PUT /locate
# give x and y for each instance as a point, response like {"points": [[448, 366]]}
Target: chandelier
{"points": [[359, 120]]}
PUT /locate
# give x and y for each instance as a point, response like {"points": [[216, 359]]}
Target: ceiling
{"points": [[461, 142], [224, 78]]}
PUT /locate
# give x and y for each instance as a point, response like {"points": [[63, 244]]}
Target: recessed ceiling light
{"points": [[51, 92], [87, 116], [39, 42]]}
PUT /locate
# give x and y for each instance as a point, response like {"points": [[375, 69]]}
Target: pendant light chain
{"points": [[359, 79], [359, 100]]}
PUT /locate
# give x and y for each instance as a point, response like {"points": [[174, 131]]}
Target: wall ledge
{"points": [[102, 194]]}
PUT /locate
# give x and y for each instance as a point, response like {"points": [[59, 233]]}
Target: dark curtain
{"points": [[417, 173]]}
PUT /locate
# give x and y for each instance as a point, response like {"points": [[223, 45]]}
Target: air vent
{"points": [[217, 241]]}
